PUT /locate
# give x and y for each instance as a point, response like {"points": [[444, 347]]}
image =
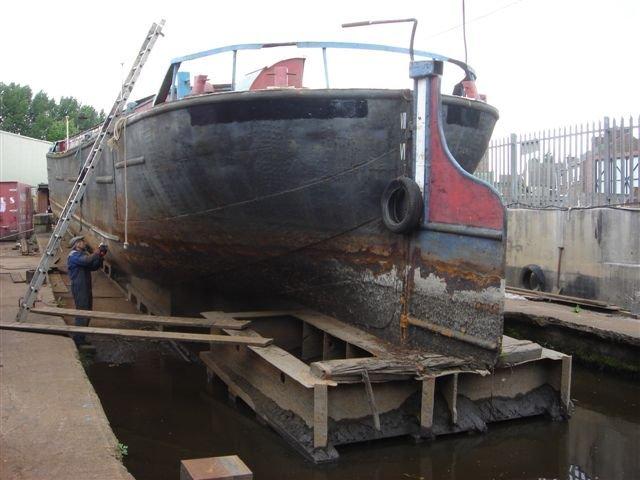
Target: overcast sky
{"points": [[542, 63]]}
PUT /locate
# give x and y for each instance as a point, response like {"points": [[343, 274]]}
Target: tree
{"points": [[41, 117], [14, 105]]}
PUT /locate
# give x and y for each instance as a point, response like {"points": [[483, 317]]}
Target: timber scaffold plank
{"points": [[140, 334], [219, 322]]}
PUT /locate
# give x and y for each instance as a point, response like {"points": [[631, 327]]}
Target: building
{"points": [[23, 159]]}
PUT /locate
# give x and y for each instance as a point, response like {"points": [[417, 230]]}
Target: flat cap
{"points": [[75, 240]]}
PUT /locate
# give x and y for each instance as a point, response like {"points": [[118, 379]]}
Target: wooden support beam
{"points": [[371, 399], [536, 294], [253, 314], [320, 416], [343, 331], [450, 391], [565, 381], [234, 390], [427, 404], [333, 348], [518, 351], [312, 340], [282, 360], [379, 369], [139, 334], [155, 319]]}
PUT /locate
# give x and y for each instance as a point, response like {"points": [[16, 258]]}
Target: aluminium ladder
{"points": [[88, 168]]}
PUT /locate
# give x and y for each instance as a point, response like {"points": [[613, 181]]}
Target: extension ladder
{"points": [[80, 186]]}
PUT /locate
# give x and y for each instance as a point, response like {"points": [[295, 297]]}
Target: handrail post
{"points": [[326, 69], [233, 73]]}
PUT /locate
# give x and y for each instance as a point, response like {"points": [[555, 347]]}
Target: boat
{"points": [[321, 195]]}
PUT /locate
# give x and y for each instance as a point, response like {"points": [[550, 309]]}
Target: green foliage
{"points": [[577, 309], [39, 116], [123, 450]]}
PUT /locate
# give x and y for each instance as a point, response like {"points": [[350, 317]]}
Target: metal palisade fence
{"points": [[581, 165]]}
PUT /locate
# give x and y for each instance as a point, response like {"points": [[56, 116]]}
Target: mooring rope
{"points": [[120, 130]]}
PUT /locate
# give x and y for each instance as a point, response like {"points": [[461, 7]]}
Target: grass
{"points": [[122, 450]]}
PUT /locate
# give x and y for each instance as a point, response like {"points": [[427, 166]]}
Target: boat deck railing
{"points": [[169, 82]]}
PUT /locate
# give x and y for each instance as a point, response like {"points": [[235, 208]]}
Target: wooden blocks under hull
{"points": [[323, 383]]}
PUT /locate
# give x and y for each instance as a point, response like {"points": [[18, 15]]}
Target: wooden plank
{"points": [[320, 416], [253, 314], [518, 351], [330, 325], [283, 361], [379, 369], [133, 317], [343, 331], [427, 405], [565, 381], [566, 299], [371, 399], [139, 334], [254, 374], [450, 392]]}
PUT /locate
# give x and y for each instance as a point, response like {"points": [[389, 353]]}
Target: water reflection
{"points": [[161, 409]]}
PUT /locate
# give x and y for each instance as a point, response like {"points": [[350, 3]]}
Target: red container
{"points": [[16, 210]]}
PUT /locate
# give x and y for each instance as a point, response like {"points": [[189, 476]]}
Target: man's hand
{"points": [[102, 250]]}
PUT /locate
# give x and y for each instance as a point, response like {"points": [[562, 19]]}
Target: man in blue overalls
{"points": [[80, 264]]}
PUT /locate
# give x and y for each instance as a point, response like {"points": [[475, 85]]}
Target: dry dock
{"points": [[601, 339], [52, 422]]}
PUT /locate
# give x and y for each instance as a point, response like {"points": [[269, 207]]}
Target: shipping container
{"points": [[16, 210]]}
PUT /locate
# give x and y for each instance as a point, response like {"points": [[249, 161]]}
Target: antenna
{"points": [[380, 22]]}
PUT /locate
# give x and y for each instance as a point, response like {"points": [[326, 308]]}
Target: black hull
{"points": [[278, 192]]}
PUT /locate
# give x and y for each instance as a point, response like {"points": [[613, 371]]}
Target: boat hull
{"points": [[278, 193]]}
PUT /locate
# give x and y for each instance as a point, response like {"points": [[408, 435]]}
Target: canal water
{"points": [[161, 408]]}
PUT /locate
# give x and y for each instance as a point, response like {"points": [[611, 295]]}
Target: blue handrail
{"points": [[170, 78], [344, 45]]}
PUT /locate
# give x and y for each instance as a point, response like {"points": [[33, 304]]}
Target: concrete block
{"points": [[215, 468]]}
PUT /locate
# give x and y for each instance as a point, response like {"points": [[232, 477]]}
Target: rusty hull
{"points": [[278, 201]]}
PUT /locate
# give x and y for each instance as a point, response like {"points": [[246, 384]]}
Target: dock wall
{"points": [[591, 253]]}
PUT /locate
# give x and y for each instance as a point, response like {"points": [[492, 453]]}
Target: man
{"points": [[80, 264]]}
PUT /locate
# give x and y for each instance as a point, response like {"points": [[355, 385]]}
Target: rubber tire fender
{"points": [[401, 205], [532, 277]]}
